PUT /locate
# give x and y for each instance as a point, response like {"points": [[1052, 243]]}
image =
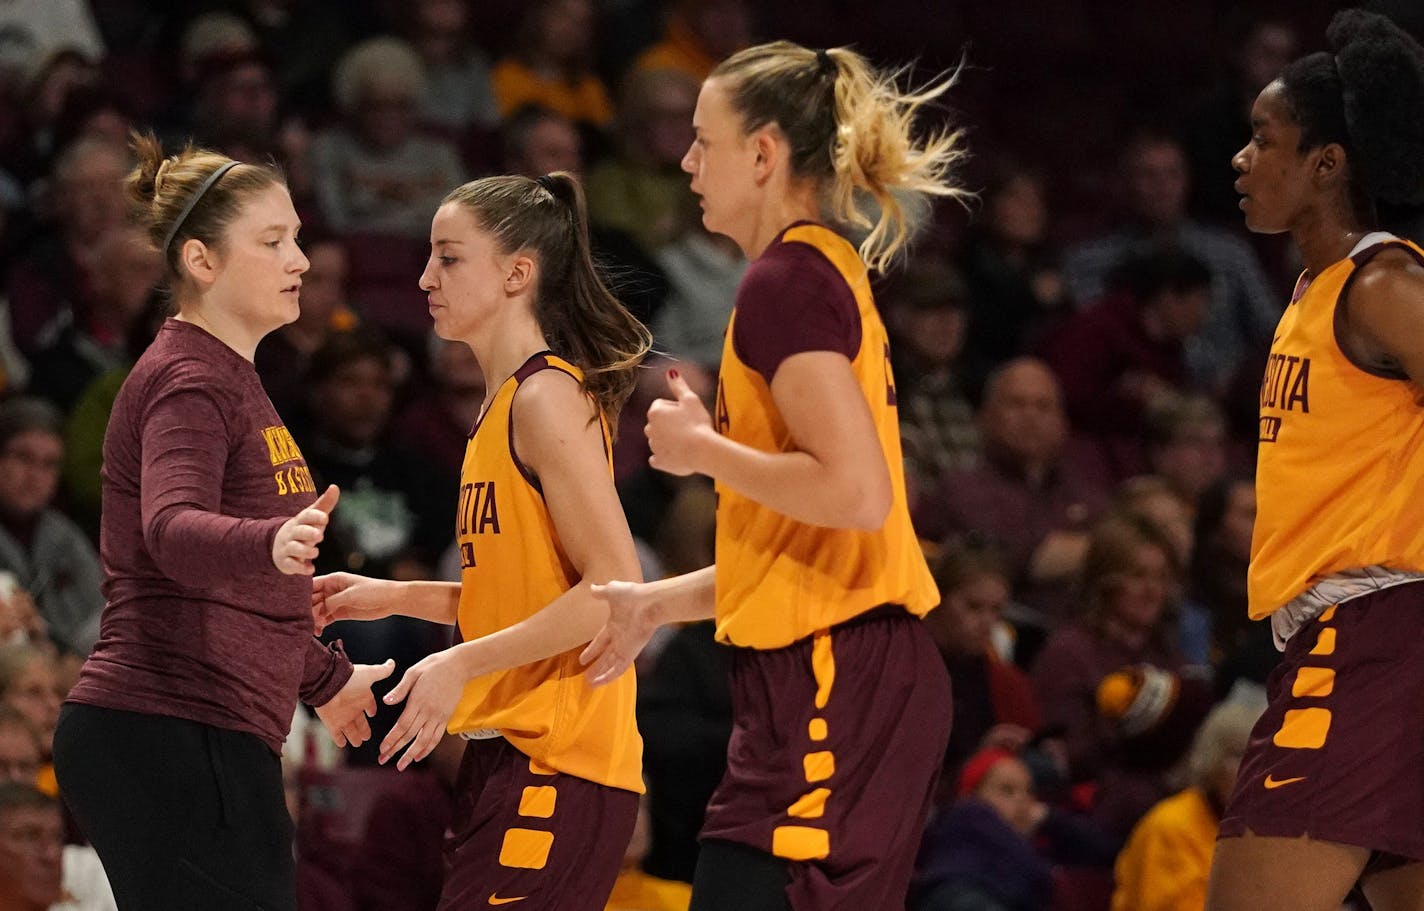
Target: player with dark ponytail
{"points": [[547, 794], [1331, 789]]}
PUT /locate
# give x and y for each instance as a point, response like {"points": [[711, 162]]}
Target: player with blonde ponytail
{"points": [[841, 703]]}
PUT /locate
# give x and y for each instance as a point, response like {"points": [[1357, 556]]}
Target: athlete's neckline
{"points": [[545, 352]]}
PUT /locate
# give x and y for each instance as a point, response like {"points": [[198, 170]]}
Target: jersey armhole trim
{"points": [[1361, 259], [532, 366]]}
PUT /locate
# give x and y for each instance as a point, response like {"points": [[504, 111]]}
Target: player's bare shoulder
{"points": [[1391, 280], [551, 409]]}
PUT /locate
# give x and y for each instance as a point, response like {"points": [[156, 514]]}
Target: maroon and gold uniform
{"points": [[1340, 475], [841, 703], [548, 789], [1337, 560]]}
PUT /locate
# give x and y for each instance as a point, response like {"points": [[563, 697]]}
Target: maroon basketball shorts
{"points": [[1339, 754], [836, 743], [528, 836]]}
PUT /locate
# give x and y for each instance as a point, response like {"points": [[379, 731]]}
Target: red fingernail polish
{"points": [[673, 374]]}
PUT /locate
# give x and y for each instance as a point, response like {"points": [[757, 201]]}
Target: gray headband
{"points": [[187, 210]]}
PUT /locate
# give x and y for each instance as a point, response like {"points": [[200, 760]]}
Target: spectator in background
{"points": [[211, 44], [62, 75], [994, 848], [98, 111], [236, 106], [438, 423], [303, 39], [458, 93], [1240, 314], [374, 172], [1127, 353], [19, 748], [1153, 500], [702, 270], [641, 193], [1013, 282], [77, 347], [1147, 716], [934, 375], [537, 140], [979, 854], [994, 702], [540, 141], [1165, 865], [552, 66], [398, 863], [57, 272], [641, 189], [1129, 577], [699, 35], [29, 686], [1260, 47], [38, 871], [393, 522], [35, 30], [49, 555], [282, 358], [88, 420], [214, 34], [1185, 443], [1222, 634], [1029, 495]]}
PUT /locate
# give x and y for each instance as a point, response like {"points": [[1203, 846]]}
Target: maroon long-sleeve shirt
{"points": [[199, 473]]}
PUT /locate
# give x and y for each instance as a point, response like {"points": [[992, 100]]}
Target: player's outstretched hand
{"points": [[345, 715], [630, 625], [347, 596], [432, 689], [295, 546]]}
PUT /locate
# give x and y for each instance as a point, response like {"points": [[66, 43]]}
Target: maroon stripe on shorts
{"points": [[528, 836], [1339, 753], [836, 743]]}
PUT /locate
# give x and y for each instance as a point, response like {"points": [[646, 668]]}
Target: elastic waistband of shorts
{"points": [[875, 614]]}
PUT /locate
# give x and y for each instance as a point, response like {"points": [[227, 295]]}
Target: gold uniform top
{"points": [[779, 580], [1340, 463], [512, 567]]}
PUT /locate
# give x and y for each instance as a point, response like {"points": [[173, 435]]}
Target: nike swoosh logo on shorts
{"points": [[496, 900], [1273, 783]]}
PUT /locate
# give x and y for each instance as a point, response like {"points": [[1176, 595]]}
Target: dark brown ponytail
{"points": [[582, 320]]}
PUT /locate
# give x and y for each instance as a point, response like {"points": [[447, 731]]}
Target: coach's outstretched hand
{"points": [[345, 715], [631, 623], [295, 546]]}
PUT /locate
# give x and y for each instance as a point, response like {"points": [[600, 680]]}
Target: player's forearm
{"points": [[798, 485], [569, 621], [685, 598], [438, 602]]}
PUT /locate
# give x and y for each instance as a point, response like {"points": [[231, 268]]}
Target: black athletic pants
{"points": [[184, 816], [732, 876]]}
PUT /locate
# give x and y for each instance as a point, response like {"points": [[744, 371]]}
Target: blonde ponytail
{"points": [[851, 128]]}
